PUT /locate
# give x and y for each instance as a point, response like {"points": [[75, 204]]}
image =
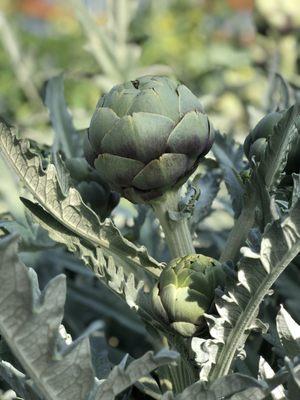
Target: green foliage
{"points": [[195, 294], [30, 322], [132, 274]]}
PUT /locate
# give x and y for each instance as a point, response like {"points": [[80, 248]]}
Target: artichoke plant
{"points": [[185, 291], [147, 136], [256, 142]]}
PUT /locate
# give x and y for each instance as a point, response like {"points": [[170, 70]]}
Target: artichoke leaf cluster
{"points": [[147, 136], [185, 291]]}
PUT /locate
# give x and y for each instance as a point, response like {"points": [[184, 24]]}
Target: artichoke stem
{"points": [[177, 233]]}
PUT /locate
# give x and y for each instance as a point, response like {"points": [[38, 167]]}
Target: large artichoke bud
{"points": [[185, 291], [256, 142], [147, 136]]}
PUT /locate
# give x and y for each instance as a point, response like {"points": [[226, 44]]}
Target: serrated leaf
{"points": [[257, 271], [239, 387], [17, 381], [264, 180], [229, 154], [289, 333], [233, 387], [33, 237], [209, 185], [124, 284], [29, 323], [70, 210], [121, 378], [278, 146]]}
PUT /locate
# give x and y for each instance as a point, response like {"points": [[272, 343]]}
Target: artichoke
{"points": [[185, 291], [147, 136], [256, 142]]}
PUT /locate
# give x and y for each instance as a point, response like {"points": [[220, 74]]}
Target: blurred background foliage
{"points": [[227, 51]]}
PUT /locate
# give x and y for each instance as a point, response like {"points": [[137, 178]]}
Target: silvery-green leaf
{"points": [[121, 378], [296, 188], [257, 271], [123, 283], [233, 387], [29, 323], [17, 381], [33, 237], [230, 157], [208, 184], [293, 383], [70, 210], [289, 333], [266, 372], [263, 181], [278, 146]]}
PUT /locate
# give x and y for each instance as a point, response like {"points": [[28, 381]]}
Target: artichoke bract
{"points": [[185, 291], [256, 142], [147, 136]]}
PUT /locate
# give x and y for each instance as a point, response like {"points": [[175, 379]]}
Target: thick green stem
{"points": [[179, 240], [177, 233]]}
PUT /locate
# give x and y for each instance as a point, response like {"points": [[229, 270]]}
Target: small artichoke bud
{"points": [[94, 191], [185, 291], [256, 142], [147, 136]]}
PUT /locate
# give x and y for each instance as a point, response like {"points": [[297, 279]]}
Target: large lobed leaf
{"points": [[278, 146], [29, 323], [231, 387], [121, 378], [263, 182], [69, 209], [124, 284], [238, 306]]}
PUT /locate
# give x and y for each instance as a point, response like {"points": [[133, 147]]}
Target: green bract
{"points": [[185, 291], [146, 136], [256, 142]]}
